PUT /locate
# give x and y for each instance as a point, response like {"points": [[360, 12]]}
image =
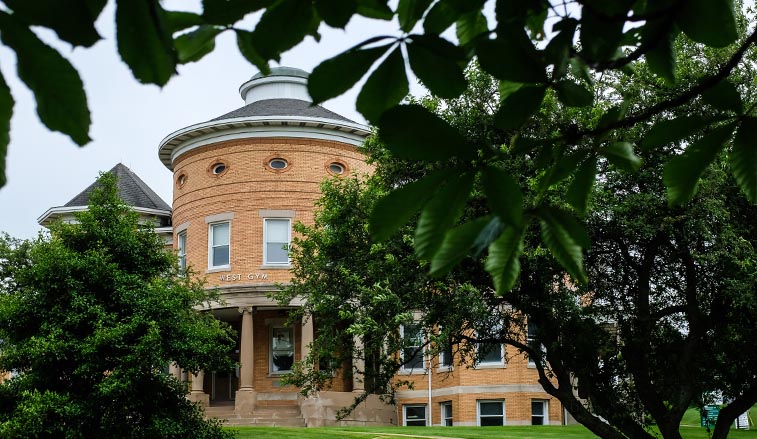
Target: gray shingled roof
{"points": [[131, 189], [283, 107]]}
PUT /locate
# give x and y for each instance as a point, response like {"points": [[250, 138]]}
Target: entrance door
{"points": [[224, 386]]}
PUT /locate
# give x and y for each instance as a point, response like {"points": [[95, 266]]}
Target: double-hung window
{"points": [[539, 412], [181, 244], [414, 415], [277, 236], [491, 353], [282, 349], [531, 341], [412, 348], [446, 410], [219, 239], [491, 413]]}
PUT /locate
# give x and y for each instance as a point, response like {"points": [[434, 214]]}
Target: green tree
{"points": [[91, 316]]}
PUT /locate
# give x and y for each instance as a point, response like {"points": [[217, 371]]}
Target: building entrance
{"points": [[223, 386]]}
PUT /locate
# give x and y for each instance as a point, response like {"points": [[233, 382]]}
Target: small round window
{"points": [[181, 180], [218, 168], [336, 168], [278, 164]]}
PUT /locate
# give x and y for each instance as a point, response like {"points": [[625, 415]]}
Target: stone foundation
{"points": [[320, 411]]}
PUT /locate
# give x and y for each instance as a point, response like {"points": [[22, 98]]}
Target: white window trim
{"points": [[404, 413], [492, 364], [478, 410], [181, 250], [407, 371], [443, 420], [545, 404], [270, 349], [212, 267], [442, 357], [266, 263]]}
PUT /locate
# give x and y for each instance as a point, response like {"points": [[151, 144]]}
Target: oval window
{"points": [[181, 180], [218, 168], [278, 163], [336, 168]]}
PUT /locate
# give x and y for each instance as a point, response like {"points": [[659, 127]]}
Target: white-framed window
{"points": [[539, 412], [412, 354], [491, 354], [531, 341], [446, 356], [490, 412], [219, 235], [446, 411], [414, 415], [282, 349], [277, 234], [181, 246]]}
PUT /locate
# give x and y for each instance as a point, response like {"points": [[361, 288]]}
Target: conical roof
{"points": [[132, 190]]}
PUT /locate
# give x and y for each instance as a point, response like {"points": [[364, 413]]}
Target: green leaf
{"points": [[517, 108], [661, 59], [580, 70], [613, 115], [398, 206], [336, 13], [337, 75], [72, 20], [558, 50], [144, 40], [6, 111], [192, 46], [672, 130], [503, 262], [743, 158], [621, 155], [224, 12], [245, 42], [439, 18], [681, 173], [573, 95], [57, 87], [710, 22], [410, 11], [470, 27], [724, 96], [400, 130], [385, 87], [503, 195], [440, 214], [600, 37], [438, 64], [179, 20], [510, 59], [563, 239], [282, 26], [457, 244], [580, 189], [378, 9]]}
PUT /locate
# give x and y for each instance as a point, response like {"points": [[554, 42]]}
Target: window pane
{"points": [[412, 361], [276, 252], [415, 416], [277, 230], [490, 408], [492, 421], [490, 353], [282, 349], [220, 255], [220, 234], [537, 408], [421, 423]]}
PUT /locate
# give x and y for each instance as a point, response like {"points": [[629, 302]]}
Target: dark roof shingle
{"points": [[283, 107], [132, 190]]}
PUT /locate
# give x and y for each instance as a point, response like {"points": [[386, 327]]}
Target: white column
{"points": [[244, 400], [198, 394]]}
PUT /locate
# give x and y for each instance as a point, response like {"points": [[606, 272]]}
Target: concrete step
{"points": [[263, 422]]}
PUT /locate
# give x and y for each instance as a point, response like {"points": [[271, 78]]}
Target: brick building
{"points": [[241, 181]]}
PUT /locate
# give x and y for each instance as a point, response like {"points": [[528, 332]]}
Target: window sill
{"points": [[218, 269], [445, 369], [411, 372], [276, 267], [490, 366]]}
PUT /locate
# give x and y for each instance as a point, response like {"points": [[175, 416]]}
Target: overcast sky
{"points": [[129, 120]]}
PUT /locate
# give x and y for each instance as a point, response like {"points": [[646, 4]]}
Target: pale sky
{"points": [[47, 169]]}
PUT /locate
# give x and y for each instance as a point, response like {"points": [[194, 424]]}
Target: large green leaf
{"points": [[440, 214], [6, 111], [600, 37], [503, 262], [224, 12], [440, 17], [711, 22], [438, 64], [661, 59], [558, 50], [622, 156], [385, 87], [72, 20], [672, 130], [562, 238], [681, 173], [503, 195], [180, 20], [724, 96], [194, 45], [246, 44], [580, 189], [282, 26], [743, 158], [57, 87], [519, 106], [457, 244], [336, 75], [144, 40], [470, 27], [336, 13], [413, 132], [511, 59], [573, 95], [398, 207], [378, 9], [410, 11]]}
